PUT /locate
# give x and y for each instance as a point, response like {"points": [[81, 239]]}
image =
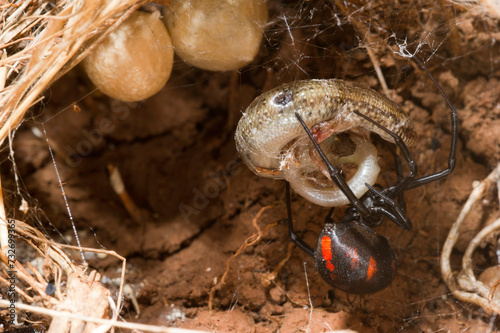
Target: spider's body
{"points": [[354, 258], [349, 255]]}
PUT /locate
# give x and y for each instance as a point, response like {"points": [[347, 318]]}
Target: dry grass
{"points": [[41, 40]]}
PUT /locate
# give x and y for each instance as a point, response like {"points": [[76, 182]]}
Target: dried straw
{"points": [[41, 40]]}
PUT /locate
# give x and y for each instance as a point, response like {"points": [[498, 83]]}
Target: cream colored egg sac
{"points": [[216, 35], [135, 61]]}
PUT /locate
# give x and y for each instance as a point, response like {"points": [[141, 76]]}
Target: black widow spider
{"points": [[349, 255]]}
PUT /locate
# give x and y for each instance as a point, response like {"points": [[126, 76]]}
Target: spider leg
{"points": [[399, 175], [294, 238], [335, 175], [406, 181], [398, 216], [454, 137], [328, 218]]}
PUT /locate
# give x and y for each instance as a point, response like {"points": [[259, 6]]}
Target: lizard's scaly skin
{"points": [[269, 123]]}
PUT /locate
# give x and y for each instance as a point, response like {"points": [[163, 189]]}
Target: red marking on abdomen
{"points": [[353, 254], [329, 266], [372, 269], [326, 252]]}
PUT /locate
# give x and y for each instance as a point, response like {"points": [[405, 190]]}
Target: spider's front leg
{"points": [[386, 206], [294, 238], [336, 175], [374, 204]]}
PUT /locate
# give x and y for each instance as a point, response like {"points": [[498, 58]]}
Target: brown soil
{"points": [[176, 154]]}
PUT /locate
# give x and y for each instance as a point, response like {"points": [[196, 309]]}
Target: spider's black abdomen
{"points": [[352, 257]]}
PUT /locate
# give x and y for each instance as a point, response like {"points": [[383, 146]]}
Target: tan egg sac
{"points": [[216, 35], [135, 60]]}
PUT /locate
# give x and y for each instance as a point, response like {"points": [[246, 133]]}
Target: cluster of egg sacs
{"points": [[135, 60]]}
